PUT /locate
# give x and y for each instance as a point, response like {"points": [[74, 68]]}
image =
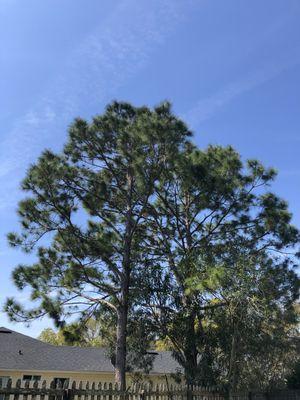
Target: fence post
{"points": [[189, 394], [68, 394], [250, 396]]}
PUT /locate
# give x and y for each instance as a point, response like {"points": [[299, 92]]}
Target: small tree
{"points": [[84, 216]]}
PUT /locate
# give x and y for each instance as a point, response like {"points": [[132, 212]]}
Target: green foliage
{"points": [[225, 270], [75, 334], [161, 242], [48, 335]]}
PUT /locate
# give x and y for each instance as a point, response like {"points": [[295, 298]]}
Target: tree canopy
{"points": [[170, 245]]}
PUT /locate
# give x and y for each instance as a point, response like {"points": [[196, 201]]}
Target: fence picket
{"points": [[18, 385], [26, 386], [93, 391], [35, 386], [73, 388], [43, 390], [8, 386], [110, 388], [105, 391], [79, 390], [99, 389], [87, 387]]}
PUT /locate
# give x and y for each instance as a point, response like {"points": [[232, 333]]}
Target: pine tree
{"points": [[211, 211], [84, 216]]}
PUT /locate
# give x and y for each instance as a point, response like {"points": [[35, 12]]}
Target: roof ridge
{"points": [[6, 330]]}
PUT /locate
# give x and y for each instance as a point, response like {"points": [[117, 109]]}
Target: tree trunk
{"points": [[122, 318], [122, 311], [120, 367], [232, 374], [190, 350]]}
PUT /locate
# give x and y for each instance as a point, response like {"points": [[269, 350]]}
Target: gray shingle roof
{"points": [[21, 352]]}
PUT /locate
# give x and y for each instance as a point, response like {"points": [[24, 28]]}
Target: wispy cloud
{"points": [[20, 143], [207, 107], [115, 51], [35, 118], [92, 74]]}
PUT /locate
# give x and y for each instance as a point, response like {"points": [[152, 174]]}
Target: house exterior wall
{"points": [[83, 377]]}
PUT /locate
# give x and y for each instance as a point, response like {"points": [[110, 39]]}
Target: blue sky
{"points": [[231, 69]]}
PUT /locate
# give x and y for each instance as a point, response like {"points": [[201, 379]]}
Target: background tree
{"points": [[84, 217], [253, 336], [91, 335], [49, 335]]}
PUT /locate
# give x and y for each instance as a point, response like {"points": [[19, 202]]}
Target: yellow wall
{"points": [[81, 376]]}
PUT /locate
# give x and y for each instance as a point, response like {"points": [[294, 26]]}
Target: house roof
{"points": [[21, 352]]}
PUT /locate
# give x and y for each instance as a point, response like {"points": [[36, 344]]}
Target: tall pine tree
{"points": [[84, 216]]}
